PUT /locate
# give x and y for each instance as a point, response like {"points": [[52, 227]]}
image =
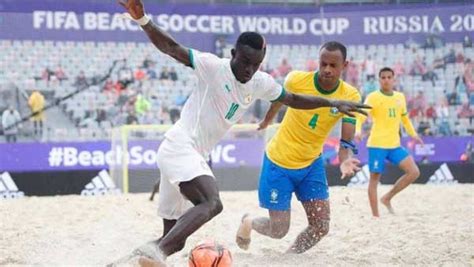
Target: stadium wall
{"points": [[229, 179]]}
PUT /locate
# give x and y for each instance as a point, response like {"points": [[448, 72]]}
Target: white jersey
{"points": [[218, 102]]}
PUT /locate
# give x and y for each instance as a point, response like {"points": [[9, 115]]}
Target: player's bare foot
{"points": [[386, 202], [147, 262], [243, 233]]}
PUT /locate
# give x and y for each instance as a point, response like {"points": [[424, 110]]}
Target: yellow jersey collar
{"points": [[321, 90]]}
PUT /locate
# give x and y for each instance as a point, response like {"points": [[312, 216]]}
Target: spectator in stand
{"points": [[438, 63], [399, 69], [101, 116], [467, 41], [450, 57], [418, 67], [164, 74], [148, 63], [370, 68], [46, 74], [36, 103], [139, 76], [352, 73], [369, 86], [125, 75], [80, 79], [424, 127], [219, 46], [60, 75], [10, 123], [442, 112], [460, 81], [465, 112], [460, 58], [173, 74], [311, 65], [180, 99], [453, 98], [431, 113], [131, 118], [142, 106], [468, 155], [420, 101], [283, 69], [469, 75], [429, 75]]}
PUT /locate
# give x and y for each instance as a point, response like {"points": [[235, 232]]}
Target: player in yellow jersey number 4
{"points": [[388, 111], [292, 160]]}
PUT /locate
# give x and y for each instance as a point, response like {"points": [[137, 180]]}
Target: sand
{"points": [[433, 226]]}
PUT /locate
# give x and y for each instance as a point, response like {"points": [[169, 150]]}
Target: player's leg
{"points": [[400, 157], [156, 188], [376, 167], [202, 191], [275, 226], [318, 215], [313, 192], [274, 192], [372, 192]]}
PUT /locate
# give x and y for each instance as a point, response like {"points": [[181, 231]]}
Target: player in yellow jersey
{"points": [[293, 162], [388, 111]]}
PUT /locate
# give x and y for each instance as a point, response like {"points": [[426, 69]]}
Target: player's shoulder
{"points": [[296, 78], [399, 94], [298, 75], [350, 91], [199, 57], [261, 78]]}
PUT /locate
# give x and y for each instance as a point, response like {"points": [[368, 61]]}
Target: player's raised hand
{"points": [[348, 108], [349, 167], [418, 140], [358, 137], [134, 7], [263, 125]]}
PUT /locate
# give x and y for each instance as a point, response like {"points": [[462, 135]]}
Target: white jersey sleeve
{"points": [[203, 64], [271, 90]]}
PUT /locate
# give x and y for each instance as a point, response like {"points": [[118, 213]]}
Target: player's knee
{"points": [[279, 230], [215, 206], [414, 173], [180, 246]]}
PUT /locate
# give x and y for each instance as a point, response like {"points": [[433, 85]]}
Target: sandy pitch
{"points": [[433, 226]]}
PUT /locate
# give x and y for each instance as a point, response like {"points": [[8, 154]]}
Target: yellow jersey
{"points": [[302, 133], [387, 112]]}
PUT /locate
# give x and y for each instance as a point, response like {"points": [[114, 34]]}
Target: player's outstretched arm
{"points": [[298, 101], [162, 40], [271, 113], [349, 165]]}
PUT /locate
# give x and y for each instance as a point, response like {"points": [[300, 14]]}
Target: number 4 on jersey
{"points": [[314, 120]]}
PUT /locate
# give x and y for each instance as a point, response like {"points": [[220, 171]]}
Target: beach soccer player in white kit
{"points": [[189, 196]]}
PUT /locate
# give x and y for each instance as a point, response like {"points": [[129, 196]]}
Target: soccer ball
{"points": [[210, 253]]}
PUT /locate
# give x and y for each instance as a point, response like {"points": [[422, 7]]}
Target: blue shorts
{"points": [[277, 184], [377, 157]]}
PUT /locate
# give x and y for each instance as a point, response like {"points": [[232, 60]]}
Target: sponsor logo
{"points": [[8, 188], [102, 184]]}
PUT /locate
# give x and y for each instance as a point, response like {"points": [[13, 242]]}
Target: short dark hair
{"points": [[386, 69], [252, 39], [333, 46]]}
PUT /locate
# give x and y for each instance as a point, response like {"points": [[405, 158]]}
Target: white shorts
{"points": [[178, 162]]}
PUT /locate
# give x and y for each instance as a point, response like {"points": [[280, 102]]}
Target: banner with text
{"points": [[201, 25], [227, 154]]}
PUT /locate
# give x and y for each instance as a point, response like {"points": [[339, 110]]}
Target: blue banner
{"points": [[200, 25], [227, 154]]}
